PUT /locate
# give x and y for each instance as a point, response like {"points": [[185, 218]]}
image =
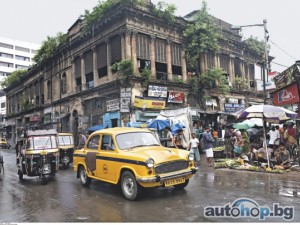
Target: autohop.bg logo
{"points": [[248, 208]]}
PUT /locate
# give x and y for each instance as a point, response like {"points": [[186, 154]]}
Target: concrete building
{"points": [[14, 55], [78, 87]]}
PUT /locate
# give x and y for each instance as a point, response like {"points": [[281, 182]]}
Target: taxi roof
{"points": [[119, 130]]}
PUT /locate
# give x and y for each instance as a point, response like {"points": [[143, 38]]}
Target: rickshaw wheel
{"points": [[20, 175], [85, 180]]}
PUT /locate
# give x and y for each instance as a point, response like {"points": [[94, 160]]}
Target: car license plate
{"points": [[174, 181]]}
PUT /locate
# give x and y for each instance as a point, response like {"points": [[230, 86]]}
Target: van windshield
{"points": [[41, 142], [65, 140]]}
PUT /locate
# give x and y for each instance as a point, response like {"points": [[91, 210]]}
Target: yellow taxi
{"points": [[4, 143], [133, 158]]}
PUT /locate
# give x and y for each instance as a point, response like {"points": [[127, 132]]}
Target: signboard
{"points": [[34, 118], [113, 105], [157, 91], [287, 95], [269, 85], [149, 103], [233, 100], [230, 107], [125, 97], [176, 97], [279, 79]]}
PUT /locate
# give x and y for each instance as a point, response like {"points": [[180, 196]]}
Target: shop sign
{"points": [[268, 84], [287, 95], [113, 105], [230, 107], [149, 103], [157, 91], [279, 79], [176, 97], [233, 100], [125, 97], [34, 118]]}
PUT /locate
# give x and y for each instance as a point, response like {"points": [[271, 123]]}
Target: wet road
{"points": [[64, 199]]}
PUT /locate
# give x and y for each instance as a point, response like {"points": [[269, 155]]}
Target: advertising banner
{"points": [[149, 103], [176, 97], [287, 95], [113, 105]]}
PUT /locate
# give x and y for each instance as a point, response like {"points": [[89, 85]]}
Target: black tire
{"points": [[20, 175], [85, 180], [130, 188], [182, 186]]}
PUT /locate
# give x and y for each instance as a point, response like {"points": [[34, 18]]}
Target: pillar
{"points": [[169, 60], [152, 57], [83, 80], [183, 65], [108, 55], [127, 44], [133, 52], [95, 67]]}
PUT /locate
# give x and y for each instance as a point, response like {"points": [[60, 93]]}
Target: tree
{"points": [[13, 78], [202, 35], [257, 46]]}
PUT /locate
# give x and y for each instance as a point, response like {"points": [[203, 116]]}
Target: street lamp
{"points": [[265, 63]]}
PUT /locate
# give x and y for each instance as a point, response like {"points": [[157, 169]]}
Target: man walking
{"points": [[208, 141]]}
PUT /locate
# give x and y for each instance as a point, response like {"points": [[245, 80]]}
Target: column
{"points": [[83, 80], [152, 57], [133, 52], [183, 65], [73, 75], [127, 44], [242, 69], [108, 55], [231, 69], [202, 63], [216, 60], [169, 60], [95, 67], [123, 50], [248, 75]]}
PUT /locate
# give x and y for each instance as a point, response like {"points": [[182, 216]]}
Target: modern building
{"points": [[79, 86], [14, 55]]}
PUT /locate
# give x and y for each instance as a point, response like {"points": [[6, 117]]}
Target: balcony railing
{"points": [[161, 76], [89, 84]]}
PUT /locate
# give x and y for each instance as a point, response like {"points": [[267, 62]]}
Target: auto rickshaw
{"points": [[66, 149], [38, 155]]}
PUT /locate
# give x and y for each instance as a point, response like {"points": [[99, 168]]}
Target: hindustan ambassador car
{"points": [[133, 158]]}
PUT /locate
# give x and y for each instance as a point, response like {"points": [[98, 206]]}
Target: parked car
{"points": [[66, 149], [133, 158], [4, 143]]}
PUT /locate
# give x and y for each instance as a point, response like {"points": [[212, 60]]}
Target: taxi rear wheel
{"points": [[182, 186], [85, 180], [130, 188], [20, 175]]}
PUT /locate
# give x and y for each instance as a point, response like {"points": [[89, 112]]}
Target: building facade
{"points": [[78, 87]]}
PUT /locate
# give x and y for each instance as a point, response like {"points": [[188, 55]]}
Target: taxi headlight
{"points": [[150, 163], [191, 157]]}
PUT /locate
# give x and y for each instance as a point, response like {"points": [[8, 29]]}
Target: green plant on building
{"points": [[24, 103], [146, 75], [177, 80], [124, 70], [240, 83], [257, 46], [193, 81], [14, 77]]}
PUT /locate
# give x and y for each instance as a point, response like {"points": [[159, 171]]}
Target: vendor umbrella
{"points": [[268, 113], [159, 124], [243, 125]]}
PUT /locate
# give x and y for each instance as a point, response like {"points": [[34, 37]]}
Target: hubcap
{"points": [[128, 186]]}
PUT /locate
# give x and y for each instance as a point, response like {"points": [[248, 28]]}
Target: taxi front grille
{"points": [[171, 167]]}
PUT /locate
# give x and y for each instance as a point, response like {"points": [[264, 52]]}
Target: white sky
{"points": [[34, 20]]}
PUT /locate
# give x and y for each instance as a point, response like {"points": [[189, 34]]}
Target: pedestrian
{"points": [[169, 138], [208, 141], [193, 147], [245, 137], [274, 139], [178, 139], [282, 157], [81, 140]]}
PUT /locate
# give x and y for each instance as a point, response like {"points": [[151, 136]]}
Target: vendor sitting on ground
{"points": [[261, 154], [282, 157]]}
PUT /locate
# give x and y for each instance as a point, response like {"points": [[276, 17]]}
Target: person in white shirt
{"points": [[274, 139], [193, 147]]}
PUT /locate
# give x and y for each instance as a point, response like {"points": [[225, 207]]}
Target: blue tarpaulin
{"points": [[159, 124], [97, 127], [176, 127]]}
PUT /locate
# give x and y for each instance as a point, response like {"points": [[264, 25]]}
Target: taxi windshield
{"points": [[41, 142], [136, 139], [65, 140]]}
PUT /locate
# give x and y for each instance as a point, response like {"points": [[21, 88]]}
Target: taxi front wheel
{"points": [[130, 188], [85, 180]]}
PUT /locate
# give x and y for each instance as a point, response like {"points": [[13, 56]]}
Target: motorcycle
{"points": [[38, 155], [66, 149]]}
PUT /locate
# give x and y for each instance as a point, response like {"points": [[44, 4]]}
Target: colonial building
{"points": [[77, 87]]}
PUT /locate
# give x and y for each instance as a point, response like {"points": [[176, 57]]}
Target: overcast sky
{"points": [[34, 20]]}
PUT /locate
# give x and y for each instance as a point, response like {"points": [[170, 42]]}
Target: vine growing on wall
{"points": [[257, 46], [124, 70]]}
